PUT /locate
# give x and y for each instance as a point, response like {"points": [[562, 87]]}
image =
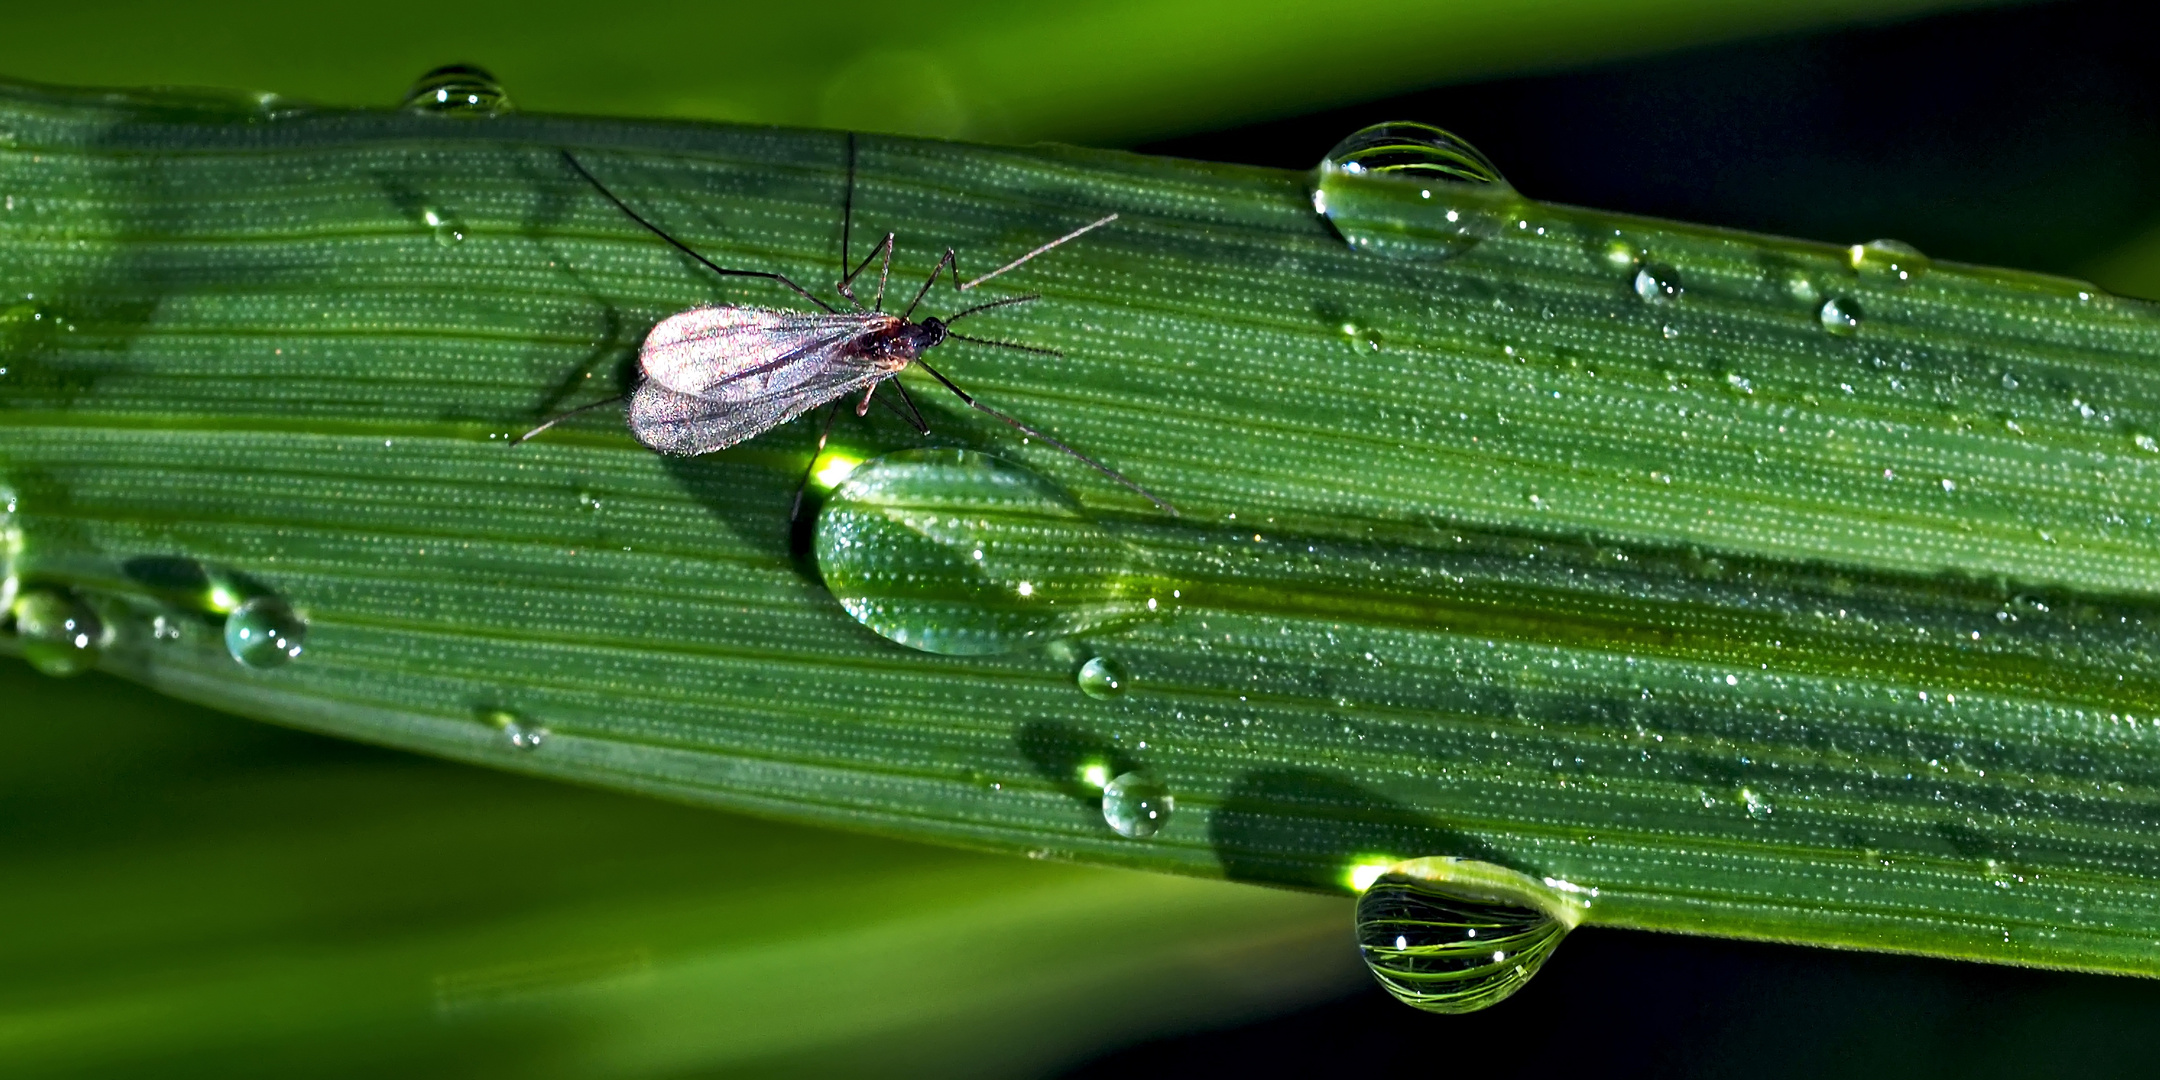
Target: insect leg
{"points": [[862, 408], [847, 284], [824, 433], [1073, 235], [914, 415], [950, 259], [847, 208], [1026, 430], [685, 248]]}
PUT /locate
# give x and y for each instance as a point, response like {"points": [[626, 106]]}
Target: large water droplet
{"points": [[1892, 259], [458, 90], [1411, 191], [962, 553], [60, 634], [1455, 935], [1102, 677], [1840, 315], [1136, 805], [264, 633]]}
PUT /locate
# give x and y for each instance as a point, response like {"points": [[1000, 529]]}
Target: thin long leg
{"points": [[1073, 235], [685, 248], [951, 259], [1026, 430], [847, 207], [824, 433], [560, 417], [922, 427], [847, 284]]}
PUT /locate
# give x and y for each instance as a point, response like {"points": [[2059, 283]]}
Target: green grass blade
{"points": [[1751, 627]]}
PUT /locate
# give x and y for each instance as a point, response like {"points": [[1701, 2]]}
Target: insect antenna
{"points": [[979, 308], [1026, 430], [1073, 235], [1004, 344], [562, 416], [685, 248]]}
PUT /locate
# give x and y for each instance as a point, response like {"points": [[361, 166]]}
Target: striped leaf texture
{"points": [[1727, 584]]}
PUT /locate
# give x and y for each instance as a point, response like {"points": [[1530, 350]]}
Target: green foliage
{"points": [[1598, 552]]}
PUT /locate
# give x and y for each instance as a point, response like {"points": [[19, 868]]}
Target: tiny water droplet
{"points": [[516, 730], [1102, 677], [449, 231], [1840, 315], [60, 634], [1657, 284], [1136, 805], [896, 544], [1757, 805], [1456, 935], [1411, 191], [1892, 259], [2145, 442], [459, 90], [264, 633]]}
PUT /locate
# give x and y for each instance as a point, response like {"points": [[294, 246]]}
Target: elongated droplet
{"points": [[1136, 805], [962, 553], [264, 633], [60, 634], [1456, 935], [10, 550], [1102, 677], [1411, 191], [459, 90], [1840, 315], [1894, 260]]}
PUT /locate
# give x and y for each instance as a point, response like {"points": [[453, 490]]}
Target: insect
{"points": [[718, 375]]}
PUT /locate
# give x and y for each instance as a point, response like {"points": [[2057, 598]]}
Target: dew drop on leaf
{"points": [[1455, 935], [457, 90], [60, 634], [1102, 677], [1411, 191], [264, 632], [966, 554], [1840, 315], [1136, 805]]}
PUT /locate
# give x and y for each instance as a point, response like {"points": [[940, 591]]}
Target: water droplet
{"points": [[1757, 805], [1455, 935], [1102, 677], [965, 554], [1657, 284], [1892, 259], [460, 90], [264, 633], [1840, 315], [1136, 806], [1411, 191], [516, 730], [60, 634], [449, 231]]}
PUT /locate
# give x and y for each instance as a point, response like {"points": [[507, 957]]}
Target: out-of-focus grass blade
{"points": [[1116, 72], [189, 893], [1602, 551]]}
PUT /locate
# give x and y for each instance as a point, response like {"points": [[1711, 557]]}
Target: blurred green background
{"points": [[188, 893]]}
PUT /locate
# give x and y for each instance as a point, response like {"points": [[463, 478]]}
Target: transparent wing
{"points": [[747, 353], [676, 423]]}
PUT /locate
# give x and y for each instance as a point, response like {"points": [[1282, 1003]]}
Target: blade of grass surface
{"points": [[1751, 627]]}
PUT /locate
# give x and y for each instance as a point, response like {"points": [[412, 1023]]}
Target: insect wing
{"points": [[747, 353], [677, 423]]}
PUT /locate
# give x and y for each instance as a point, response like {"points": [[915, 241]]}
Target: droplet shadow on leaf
{"points": [[1286, 826]]}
